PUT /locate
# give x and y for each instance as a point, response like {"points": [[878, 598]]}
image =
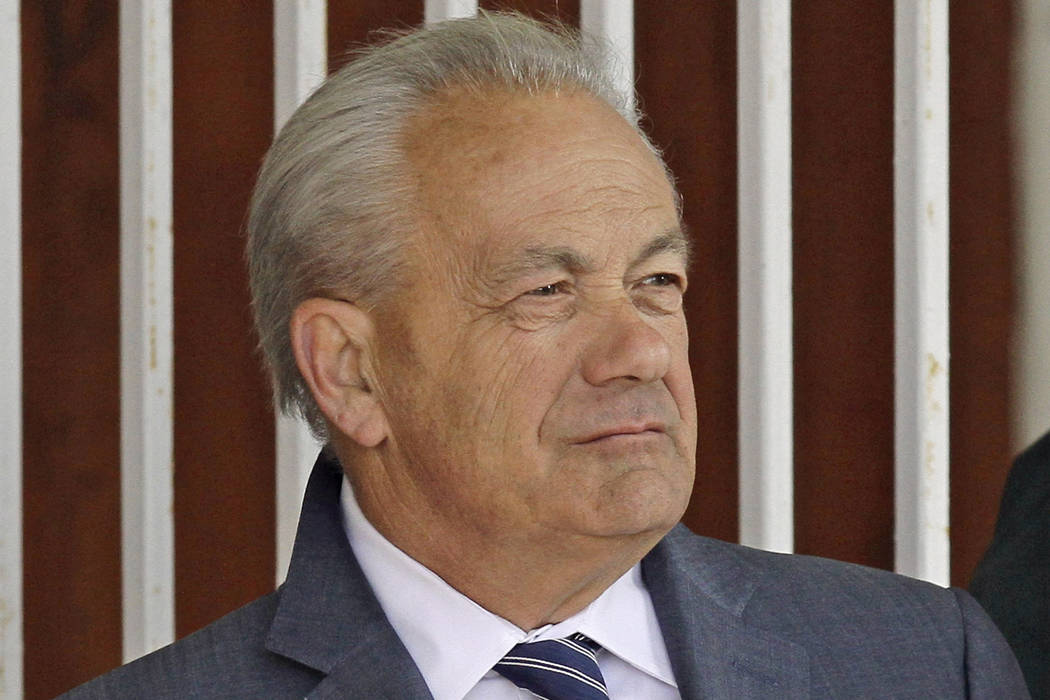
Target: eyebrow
{"points": [[538, 258], [673, 241]]}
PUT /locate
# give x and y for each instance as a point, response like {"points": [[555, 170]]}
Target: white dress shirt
{"points": [[455, 642]]}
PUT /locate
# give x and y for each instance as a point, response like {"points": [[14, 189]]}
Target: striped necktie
{"points": [[556, 669]]}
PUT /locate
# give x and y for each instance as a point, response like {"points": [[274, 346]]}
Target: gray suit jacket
{"points": [[738, 623]]}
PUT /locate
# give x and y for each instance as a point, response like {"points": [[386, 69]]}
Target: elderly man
{"points": [[468, 268]]}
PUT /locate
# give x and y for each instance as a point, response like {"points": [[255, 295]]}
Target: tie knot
{"points": [[556, 669]]}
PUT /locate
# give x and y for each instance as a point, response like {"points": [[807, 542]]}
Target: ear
{"points": [[332, 341]]}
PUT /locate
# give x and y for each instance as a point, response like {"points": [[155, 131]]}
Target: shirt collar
{"points": [[455, 642], [622, 619]]}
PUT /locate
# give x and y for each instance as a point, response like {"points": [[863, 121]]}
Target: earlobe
{"points": [[332, 341]]}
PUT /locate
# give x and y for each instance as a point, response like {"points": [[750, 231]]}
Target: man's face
{"points": [[534, 367]]}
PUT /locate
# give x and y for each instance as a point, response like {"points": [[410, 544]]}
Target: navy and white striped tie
{"points": [[556, 669]]}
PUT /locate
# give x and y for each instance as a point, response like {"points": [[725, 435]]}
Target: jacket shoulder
{"points": [[226, 659], [852, 620], [766, 581]]}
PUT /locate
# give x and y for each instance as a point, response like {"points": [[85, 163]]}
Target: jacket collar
{"points": [[701, 589], [327, 617]]}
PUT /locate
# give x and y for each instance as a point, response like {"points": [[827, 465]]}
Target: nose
{"points": [[624, 346]]}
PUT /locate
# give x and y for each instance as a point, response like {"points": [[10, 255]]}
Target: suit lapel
{"points": [[700, 594], [328, 618]]}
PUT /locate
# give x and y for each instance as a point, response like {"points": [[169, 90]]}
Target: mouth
{"points": [[636, 431]]}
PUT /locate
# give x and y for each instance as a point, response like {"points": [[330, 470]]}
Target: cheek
{"points": [[679, 379], [507, 380]]}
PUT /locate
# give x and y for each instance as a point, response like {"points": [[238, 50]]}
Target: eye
{"points": [[541, 306], [547, 290], [663, 279], [660, 292]]}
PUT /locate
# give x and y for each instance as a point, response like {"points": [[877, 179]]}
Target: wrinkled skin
{"points": [[533, 369]]}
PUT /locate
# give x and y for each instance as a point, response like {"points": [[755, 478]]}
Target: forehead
{"points": [[509, 170]]}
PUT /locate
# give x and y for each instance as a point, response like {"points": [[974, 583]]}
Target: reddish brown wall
{"points": [[686, 65], [224, 478], [71, 496], [842, 156], [981, 279]]}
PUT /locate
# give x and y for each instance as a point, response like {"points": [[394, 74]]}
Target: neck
{"points": [[530, 579]]}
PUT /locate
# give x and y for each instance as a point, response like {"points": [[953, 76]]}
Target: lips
{"points": [[639, 429]]}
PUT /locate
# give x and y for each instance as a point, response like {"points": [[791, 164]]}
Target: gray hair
{"points": [[328, 214]]}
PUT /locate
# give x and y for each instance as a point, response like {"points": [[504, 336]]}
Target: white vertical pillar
{"points": [[440, 10], [766, 408], [300, 64], [11, 644], [146, 325], [613, 22], [921, 310]]}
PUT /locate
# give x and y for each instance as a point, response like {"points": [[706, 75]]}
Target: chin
{"points": [[642, 505]]}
